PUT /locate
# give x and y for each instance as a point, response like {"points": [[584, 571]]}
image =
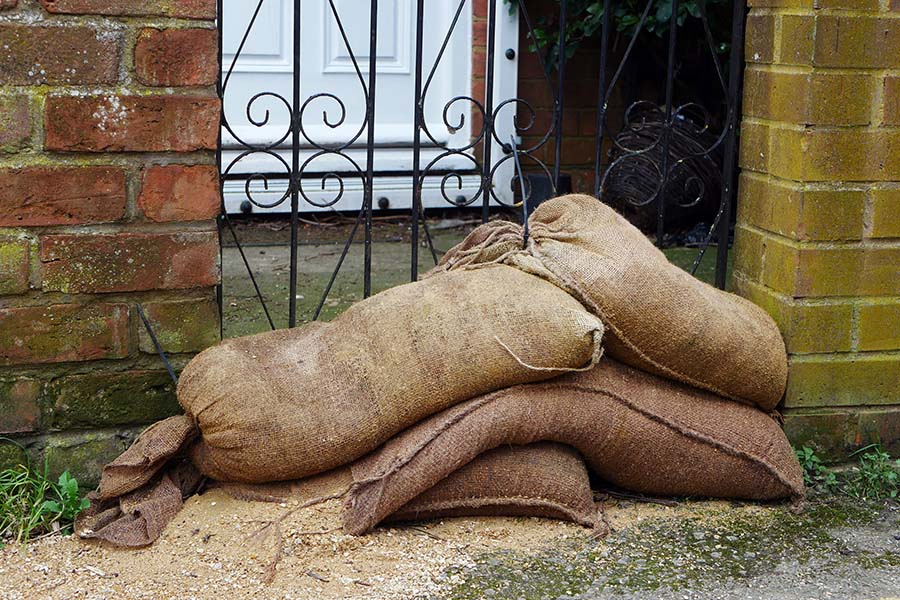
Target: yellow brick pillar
{"points": [[817, 241]]}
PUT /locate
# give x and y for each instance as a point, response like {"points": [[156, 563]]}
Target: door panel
{"points": [[258, 88]]}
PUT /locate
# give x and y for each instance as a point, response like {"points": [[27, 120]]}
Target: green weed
{"points": [[815, 473], [31, 504], [875, 477]]}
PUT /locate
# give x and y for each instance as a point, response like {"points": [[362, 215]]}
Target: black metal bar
{"points": [[667, 126], [220, 286], [417, 145], [560, 94], [488, 110], [728, 162], [601, 98], [337, 269], [295, 167], [370, 147], [156, 344]]}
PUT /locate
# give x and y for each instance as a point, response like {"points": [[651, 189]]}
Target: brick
{"points": [[185, 9], [836, 434], [891, 101], [879, 325], [14, 261], [759, 46], [845, 154], [781, 262], [880, 273], [112, 123], [180, 193], [776, 95], [856, 41], [858, 5], [748, 252], [832, 434], [807, 326], [19, 410], [754, 147], [827, 215], [885, 213], [798, 212], [880, 427], [15, 122], [177, 57], [843, 380], [798, 34], [819, 327], [38, 196], [84, 454], [181, 326], [128, 262], [111, 399], [12, 455], [63, 332], [32, 55], [808, 98], [829, 272]]}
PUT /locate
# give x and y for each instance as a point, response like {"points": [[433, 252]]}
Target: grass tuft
{"points": [[32, 504]]}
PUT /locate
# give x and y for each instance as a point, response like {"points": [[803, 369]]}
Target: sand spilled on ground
{"points": [[212, 550]]}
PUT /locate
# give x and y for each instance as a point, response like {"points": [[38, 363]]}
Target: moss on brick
{"points": [[19, 410], [843, 380], [181, 326], [110, 399], [84, 454], [14, 253], [831, 434]]}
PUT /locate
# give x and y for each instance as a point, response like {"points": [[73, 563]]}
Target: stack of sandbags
{"points": [[437, 391], [292, 403], [634, 429], [658, 317]]}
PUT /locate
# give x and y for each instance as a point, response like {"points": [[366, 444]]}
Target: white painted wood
{"points": [[265, 65]]}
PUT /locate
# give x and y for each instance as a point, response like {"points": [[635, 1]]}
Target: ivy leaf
{"points": [[664, 11]]}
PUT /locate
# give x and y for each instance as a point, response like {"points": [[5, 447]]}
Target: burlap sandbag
{"points": [[634, 429], [294, 402], [658, 317], [139, 517], [538, 480]]}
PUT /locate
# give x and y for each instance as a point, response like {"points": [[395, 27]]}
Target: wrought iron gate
{"points": [[635, 151]]}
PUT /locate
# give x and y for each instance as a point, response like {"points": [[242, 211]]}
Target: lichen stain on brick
{"points": [[111, 115]]}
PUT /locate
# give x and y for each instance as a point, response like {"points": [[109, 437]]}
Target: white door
{"points": [[258, 95]]}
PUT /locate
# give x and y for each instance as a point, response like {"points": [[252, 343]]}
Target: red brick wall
{"points": [[108, 194]]}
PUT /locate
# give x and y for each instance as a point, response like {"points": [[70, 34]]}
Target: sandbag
{"points": [[538, 480], [294, 402], [138, 518], [634, 429], [658, 317]]}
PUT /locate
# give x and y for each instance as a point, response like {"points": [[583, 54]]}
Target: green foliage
{"points": [[585, 19], [815, 474], [32, 504], [875, 477]]}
